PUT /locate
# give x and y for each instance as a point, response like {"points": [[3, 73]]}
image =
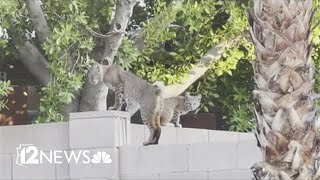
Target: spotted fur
{"points": [[129, 87], [174, 107]]}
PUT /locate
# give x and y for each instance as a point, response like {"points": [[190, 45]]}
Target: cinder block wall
{"points": [[182, 153]]}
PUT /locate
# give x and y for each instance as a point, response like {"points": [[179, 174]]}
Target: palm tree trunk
{"points": [[285, 111]]}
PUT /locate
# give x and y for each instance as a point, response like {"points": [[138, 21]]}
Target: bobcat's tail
{"points": [[159, 87]]}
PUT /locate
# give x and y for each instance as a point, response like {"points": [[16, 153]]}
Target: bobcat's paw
{"points": [[127, 109], [147, 143], [170, 125], [178, 125], [112, 108]]}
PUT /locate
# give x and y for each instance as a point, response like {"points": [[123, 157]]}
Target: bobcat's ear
{"points": [[199, 96]]}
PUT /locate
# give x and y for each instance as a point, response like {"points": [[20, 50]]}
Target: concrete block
{"points": [[41, 171], [153, 159], [214, 156], [146, 134], [140, 177], [98, 114], [5, 166], [189, 136], [247, 137], [137, 134], [104, 131], [51, 136], [123, 137], [13, 136], [95, 179], [223, 136], [84, 170], [248, 152], [63, 170], [129, 158], [244, 174], [168, 135], [184, 175]]}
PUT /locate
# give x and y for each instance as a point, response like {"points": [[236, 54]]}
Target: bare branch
{"points": [[93, 97], [214, 54], [199, 69], [98, 35], [39, 23], [34, 61], [30, 56], [123, 13]]}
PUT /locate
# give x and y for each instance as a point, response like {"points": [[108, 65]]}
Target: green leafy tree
{"points": [[182, 43], [58, 41], [204, 25], [5, 8]]}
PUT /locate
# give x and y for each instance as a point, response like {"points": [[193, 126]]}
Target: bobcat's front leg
{"points": [[176, 119], [128, 104], [118, 98]]}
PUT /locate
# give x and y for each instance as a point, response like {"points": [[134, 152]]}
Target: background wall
{"points": [[182, 153]]}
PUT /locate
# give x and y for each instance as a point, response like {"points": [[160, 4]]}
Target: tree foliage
{"points": [[174, 37], [170, 39], [68, 37], [170, 56]]}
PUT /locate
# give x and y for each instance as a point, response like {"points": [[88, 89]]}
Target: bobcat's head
{"points": [[191, 103]]}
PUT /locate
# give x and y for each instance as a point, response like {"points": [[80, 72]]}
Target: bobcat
{"points": [[174, 107], [127, 86]]}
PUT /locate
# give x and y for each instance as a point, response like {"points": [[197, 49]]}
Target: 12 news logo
{"points": [[28, 154]]}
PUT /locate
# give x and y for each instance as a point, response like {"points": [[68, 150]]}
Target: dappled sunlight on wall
{"points": [[16, 111]]}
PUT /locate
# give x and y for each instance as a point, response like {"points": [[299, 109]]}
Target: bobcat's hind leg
{"points": [[118, 98], [152, 130], [165, 118], [164, 121], [157, 132], [148, 120]]}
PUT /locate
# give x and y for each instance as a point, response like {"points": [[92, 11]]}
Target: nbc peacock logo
{"points": [[101, 157]]}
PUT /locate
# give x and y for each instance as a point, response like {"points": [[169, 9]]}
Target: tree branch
{"points": [[29, 55], [199, 69], [34, 61], [38, 21], [213, 55], [93, 97], [119, 24]]}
